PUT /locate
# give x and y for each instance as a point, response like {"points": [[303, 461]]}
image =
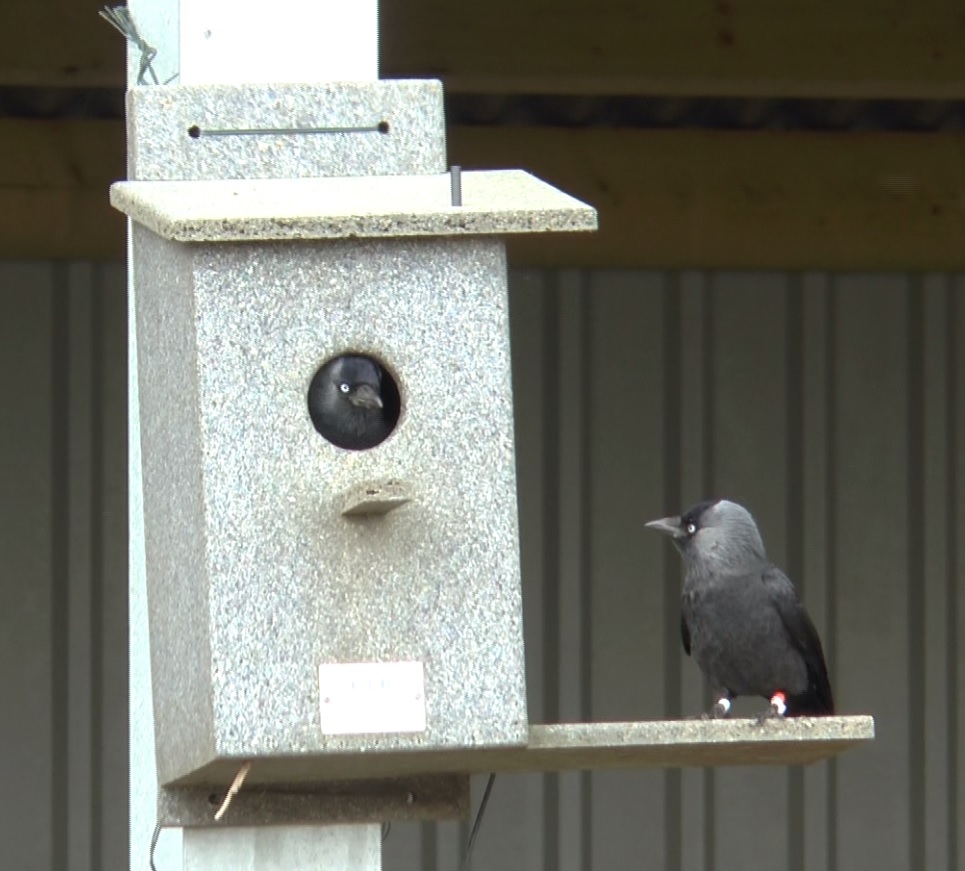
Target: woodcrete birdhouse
{"points": [[321, 610]]}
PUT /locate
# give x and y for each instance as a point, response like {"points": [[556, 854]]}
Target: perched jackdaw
{"points": [[345, 402], [741, 617]]}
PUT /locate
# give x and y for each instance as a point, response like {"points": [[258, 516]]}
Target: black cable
{"points": [[467, 861], [154, 838]]}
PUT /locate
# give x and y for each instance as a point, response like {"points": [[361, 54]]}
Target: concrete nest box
{"points": [[310, 600], [340, 608]]}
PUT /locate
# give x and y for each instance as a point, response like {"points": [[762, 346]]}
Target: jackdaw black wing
{"points": [[685, 633], [818, 699]]}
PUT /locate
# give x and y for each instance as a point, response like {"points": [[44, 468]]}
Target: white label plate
{"points": [[358, 698]]}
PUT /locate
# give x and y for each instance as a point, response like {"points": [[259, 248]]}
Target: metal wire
{"points": [[119, 17], [198, 132], [467, 860]]}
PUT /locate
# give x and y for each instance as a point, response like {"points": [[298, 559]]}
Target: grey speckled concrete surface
{"points": [[255, 578], [794, 741], [160, 146], [494, 202], [560, 747], [590, 746]]}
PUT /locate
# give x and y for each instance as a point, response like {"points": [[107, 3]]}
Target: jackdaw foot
{"points": [[775, 711], [718, 712]]}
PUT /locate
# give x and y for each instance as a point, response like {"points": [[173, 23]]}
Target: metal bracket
{"points": [[442, 797]]}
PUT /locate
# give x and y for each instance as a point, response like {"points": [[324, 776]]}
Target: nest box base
{"points": [[405, 785]]}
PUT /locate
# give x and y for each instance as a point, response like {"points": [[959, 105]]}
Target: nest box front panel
{"points": [[291, 585]]}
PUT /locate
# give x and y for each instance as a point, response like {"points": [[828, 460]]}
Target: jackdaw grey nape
{"points": [[346, 405], [741, 618]]}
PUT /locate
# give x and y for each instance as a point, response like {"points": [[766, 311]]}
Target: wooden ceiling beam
{"points": [[54, 179], [61, 44], [742, 200], [862, 49], [666, 198]]}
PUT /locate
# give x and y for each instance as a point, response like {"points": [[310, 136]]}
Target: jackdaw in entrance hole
{"points": [[346, 402], [741, 618]]}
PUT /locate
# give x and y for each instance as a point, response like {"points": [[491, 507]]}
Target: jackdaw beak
{"points": [[668, 526], [365, 396]]}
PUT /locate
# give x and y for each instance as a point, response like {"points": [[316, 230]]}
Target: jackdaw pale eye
{"points": [[354, 402]]}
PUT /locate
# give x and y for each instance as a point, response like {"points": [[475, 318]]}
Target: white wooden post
{"points": [[207, 42], [230, 42]]}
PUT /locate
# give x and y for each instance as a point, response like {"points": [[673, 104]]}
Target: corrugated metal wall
{"points": [[831, 405], [63, 568]]}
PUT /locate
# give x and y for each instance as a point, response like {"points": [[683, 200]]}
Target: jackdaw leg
{"points": [[719, 711], [776, 710]]}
